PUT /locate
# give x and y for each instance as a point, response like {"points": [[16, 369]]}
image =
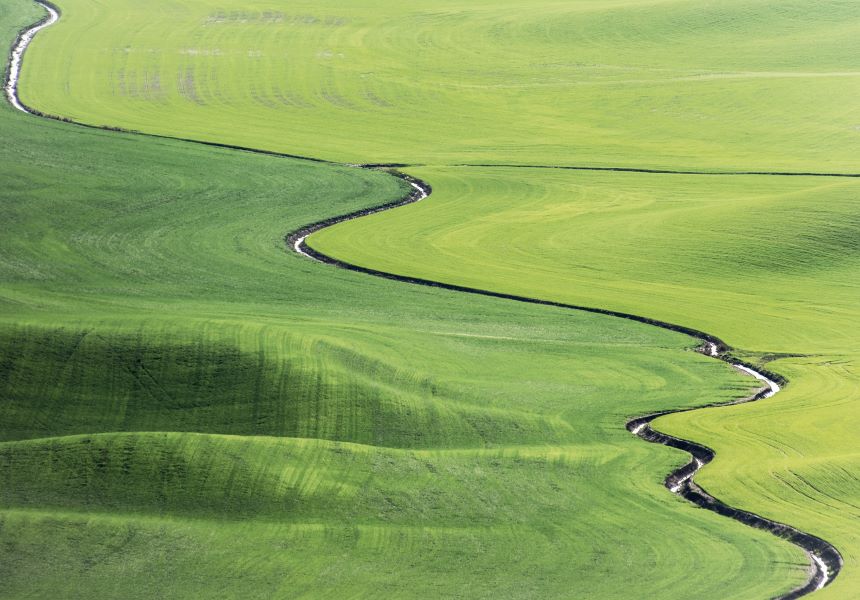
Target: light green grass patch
{"points": [[767, 263], [737, 85]]}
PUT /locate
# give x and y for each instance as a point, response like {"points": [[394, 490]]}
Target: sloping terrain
{"points": [[173, 384], [771, 263], [762, 85]]}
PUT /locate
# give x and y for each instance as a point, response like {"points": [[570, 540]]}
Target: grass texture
{"points": [[730, 85], [770, 264], [189, 411]]}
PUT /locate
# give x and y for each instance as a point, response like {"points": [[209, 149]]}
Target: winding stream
{"points": [[825, 560], [11, 86]]}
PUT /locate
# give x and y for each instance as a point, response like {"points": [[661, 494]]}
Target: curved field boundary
{"points": [[663, 171], [14, 64], [15, 61], [825, 559]]}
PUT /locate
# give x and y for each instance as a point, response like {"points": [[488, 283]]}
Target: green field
{"points": [[770, 264], [188, 410], [769, 84]]}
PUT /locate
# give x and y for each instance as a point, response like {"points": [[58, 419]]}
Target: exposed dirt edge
{"points": [[680, 481], [825, 559], [19, 45]]}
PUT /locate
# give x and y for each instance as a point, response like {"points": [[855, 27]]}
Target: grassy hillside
{"points": [[770, 264], [187, 410], [768, 84]]}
